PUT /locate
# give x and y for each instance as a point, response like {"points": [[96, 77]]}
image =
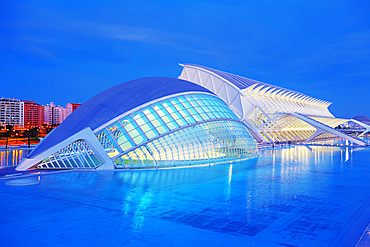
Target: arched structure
{"points": [[272, 113], [148, 122]]}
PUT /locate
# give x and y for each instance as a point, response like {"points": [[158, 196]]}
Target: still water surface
{"points": [[12, 157], [298, 196]]}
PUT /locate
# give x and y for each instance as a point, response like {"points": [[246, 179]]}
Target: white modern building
{"points": [[145, 123], [271, 113], [54, 115], [206, 116], [11, 112]]}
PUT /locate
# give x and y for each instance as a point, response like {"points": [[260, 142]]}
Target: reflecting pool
{"points": [[12, 157], [298, 196]]}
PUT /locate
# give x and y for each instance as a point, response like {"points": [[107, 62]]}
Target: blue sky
{"points": [[68, 51]]}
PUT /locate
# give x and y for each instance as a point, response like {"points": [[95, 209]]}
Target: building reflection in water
{"points": [[12, 157]]}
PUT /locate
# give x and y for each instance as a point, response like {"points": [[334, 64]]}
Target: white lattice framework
{"points": [[272, 113], [76, 155]]}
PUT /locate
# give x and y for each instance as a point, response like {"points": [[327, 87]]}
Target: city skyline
{"points": [[27, 113], [57, 52]]}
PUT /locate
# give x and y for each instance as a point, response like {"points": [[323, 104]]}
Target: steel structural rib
{"points": [[245, 97]]}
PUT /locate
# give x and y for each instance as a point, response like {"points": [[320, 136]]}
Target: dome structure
{"points": [[148, 122]]}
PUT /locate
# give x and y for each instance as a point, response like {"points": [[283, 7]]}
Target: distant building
{"points": [[11, 112], [70, 107], [362, 119], [54, 115], [33, 114]]}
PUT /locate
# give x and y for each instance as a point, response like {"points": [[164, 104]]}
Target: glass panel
{"points": [[157, 123], [172, 125], [170, 114], [139, 139], [162, 129], [145, 127], [150, 134], [204, 143], [138, 119], [115, 130], [122, 139], [128, 123], [133, 133], [127, 145], [181, 122]]}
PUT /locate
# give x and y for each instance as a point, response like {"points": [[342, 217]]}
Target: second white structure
{"points": [[272, 113]]}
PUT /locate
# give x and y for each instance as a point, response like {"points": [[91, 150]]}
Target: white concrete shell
{"points": [[145, 123], [272, 113]]}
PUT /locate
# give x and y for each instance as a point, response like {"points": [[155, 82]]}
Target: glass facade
{"points": [[213, 141], [186, 129], [189, 129], [160, 118], [76, 155]]}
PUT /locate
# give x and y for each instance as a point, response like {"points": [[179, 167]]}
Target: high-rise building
{"points": [[11, 112], [54, 115], [33, 114], [70, 107]]}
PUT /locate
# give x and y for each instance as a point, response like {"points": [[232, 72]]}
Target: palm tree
{"points": [[8, 134], [30, 133]]}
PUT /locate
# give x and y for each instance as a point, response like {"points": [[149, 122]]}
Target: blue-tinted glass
{"points": [[126, 145], [194, 103], [122, 139], [150, 134], [110, 138], [150, 116], [204, 116], [181, 122], [187, 104], [162, 129], [133, 133], [129, 125], [211, 115], [156, 123], [199, 109], [217, 114], [195, 114], [145, 127], [139, 139], [115, 130], [172, 125], [138, 119]]}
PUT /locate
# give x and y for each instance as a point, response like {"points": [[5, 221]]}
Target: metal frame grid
{"points": [[76, 155], [161, 118], [208, 142]]}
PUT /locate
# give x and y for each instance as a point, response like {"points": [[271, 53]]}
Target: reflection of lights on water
{"points": [[228, 191], [347, 152], [139, 218], [11, 159], [127, 201], [230, 173]]}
